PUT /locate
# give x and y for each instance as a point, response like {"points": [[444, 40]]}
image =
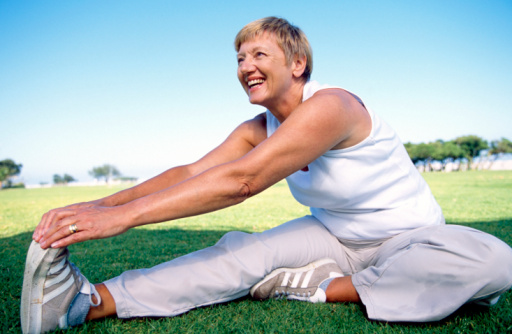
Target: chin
{"points": [[258, 103], [254, 100]]}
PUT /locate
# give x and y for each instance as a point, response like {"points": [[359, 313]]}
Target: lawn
{"points": [[479, 199]]}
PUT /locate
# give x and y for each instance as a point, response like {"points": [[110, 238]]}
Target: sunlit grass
{"points": [[479, 199]]}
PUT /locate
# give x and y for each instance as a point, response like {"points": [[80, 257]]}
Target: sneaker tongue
{"points": [[78, 309], [86, 287], [326, 283]]}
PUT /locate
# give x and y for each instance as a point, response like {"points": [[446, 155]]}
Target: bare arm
{"points": [[245, 137], [330, 119]]}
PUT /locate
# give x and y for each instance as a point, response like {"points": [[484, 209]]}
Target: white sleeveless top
{"points": [[367, 191]]}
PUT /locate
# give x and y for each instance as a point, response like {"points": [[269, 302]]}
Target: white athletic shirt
{"points": [[367, 191]]}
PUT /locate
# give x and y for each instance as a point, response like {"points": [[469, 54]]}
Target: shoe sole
{"points": [[277, 271], [36, 267]]}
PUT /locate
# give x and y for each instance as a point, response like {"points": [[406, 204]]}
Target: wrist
{"points": [[133, 216], [108, 201]]}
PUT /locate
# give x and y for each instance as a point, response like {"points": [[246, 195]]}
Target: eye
{"points": [[260, 54], [240, 60]]}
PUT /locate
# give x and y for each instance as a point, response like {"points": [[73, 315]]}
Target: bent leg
{"points": [[223, 272], [428, 273]]}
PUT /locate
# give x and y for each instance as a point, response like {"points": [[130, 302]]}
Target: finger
{"points": [[45, 220], [44, 224], [69, 234], [58, 230], [69, 240], [37, 232], [55, 221]]}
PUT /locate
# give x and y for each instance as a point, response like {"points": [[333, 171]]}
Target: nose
{"points": [[246, 66]]}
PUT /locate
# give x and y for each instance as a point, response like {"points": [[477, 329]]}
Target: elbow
{"points": [[244, 192], [244, 183]]}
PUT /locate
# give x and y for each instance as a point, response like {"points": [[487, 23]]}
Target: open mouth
{"points": [[255, 82]]}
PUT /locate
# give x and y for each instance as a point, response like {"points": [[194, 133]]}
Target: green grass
{"points": [[479, 199]]}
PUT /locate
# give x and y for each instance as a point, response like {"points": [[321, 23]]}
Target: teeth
{"points": [[255, 82]]}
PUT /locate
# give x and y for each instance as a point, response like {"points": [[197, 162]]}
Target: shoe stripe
{"points": [[52, 281], [286, 277], [58, 267], [296, 280], [59, 290], [307, 278], [63, 321]]}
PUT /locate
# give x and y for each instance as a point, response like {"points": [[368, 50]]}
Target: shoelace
{"points": [[96, 294], [284, 293], [92, 288]]}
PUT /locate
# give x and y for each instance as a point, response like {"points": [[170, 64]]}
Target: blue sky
{"points": [[146, 85]]}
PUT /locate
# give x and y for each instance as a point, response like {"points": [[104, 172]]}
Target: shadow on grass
{"points": [[500, 228], [103, 259], [99, 260]]}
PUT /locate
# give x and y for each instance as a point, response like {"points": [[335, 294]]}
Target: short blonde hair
{"points": [[290, 39]]}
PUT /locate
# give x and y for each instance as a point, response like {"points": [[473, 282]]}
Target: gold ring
{"points": [[73, 228]]}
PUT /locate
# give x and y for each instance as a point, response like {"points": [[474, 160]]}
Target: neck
{"points": [[288, 103]]}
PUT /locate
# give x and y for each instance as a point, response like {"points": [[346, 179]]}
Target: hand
{"points": [[57, 214], [92, 222]]}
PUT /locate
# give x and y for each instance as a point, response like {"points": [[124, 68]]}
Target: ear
{"points": [[299, 66]]}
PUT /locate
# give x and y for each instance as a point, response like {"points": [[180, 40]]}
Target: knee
{"points": [[487, 251], [496, 265], [235, 240], [483, 257], [247, 253], [502, 265]]}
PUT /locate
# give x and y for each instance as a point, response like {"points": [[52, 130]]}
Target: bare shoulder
{"points": [[343, 98], [254, 130], [242, 140], [345, 109], [259, 121]]}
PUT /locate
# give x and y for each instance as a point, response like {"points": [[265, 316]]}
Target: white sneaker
{"points": [[51, 285], [297, 283]]}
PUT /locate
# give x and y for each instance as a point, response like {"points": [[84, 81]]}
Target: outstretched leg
{"points": [[223, 272]]}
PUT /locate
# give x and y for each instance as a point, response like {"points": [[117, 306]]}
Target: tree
{"points": [[438, 150], [501, 146], [419, 152], [438, 153], [423, 152], [57, 179], [452, 150], [8, 169], [65, 179], [106, 171], [68, 178], [471, 146]]}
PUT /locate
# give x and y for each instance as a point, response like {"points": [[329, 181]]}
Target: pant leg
{"points": [[223, 272], [428, 273]]}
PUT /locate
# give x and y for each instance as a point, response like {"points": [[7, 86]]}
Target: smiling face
{"points": [[265, 74]]}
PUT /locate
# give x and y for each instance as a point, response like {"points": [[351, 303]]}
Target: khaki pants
{"points": [[420, 275]]}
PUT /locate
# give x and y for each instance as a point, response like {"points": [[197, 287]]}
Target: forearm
{"points": [[162, 181], [215, 189]]}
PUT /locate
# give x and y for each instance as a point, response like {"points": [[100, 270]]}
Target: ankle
{"points": [[341, 289], [106, 308]]}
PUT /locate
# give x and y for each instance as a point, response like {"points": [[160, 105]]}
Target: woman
{"points": [[375, 235]]}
